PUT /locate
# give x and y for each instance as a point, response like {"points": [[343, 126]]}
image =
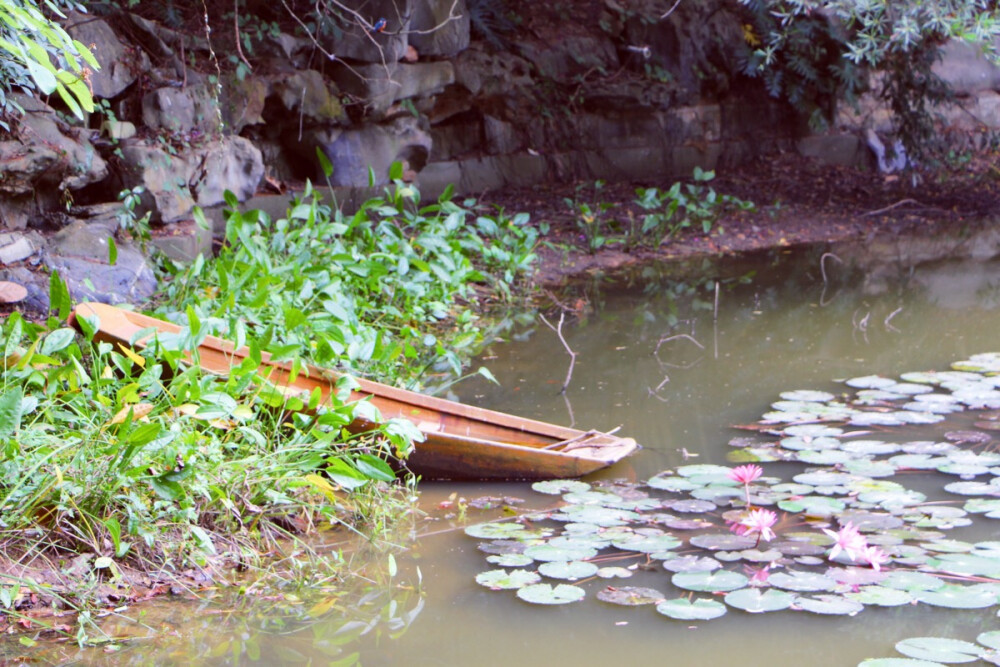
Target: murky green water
{"points": [[675, 371]]}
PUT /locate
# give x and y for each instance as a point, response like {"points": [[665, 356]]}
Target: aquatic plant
{"points": [[838, 537]]}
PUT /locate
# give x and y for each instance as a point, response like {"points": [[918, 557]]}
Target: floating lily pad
{"points": [[677, 523], [504, 580], [614, 572], [722, 541], [800, 581], [568, 569], [700, 609], [957, 597], [807, 395], [967, 564], [826, 457], [546, 594], [630, 596], [693, 506], [648, 544], [496, 530], [871, 447], [557, 487], [692, 564], [870, 382], [813, 506], [940, 649], [990, 639], [813, 430], [719, 580], [897, 662], [510, 560], [868, 468], [756, 601], [602, 516], [829, 604], [913, 582], [702, 469], [881, 596], [549, 553], [599, 498], [672, 484], [800, 443]]}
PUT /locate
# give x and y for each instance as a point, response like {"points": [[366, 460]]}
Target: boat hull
{"points": [[461, 441]]}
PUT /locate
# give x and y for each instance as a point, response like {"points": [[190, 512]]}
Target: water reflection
{"points": [[675, 362]]}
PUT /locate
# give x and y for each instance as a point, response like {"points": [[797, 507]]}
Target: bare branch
{"points": [[572, 354]]}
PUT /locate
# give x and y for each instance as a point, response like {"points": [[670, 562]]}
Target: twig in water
{"points": [[891, 315], [572, 354], [822, 270], [890, 207]]}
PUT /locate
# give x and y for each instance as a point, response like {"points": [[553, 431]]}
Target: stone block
{"points": [[843, 149], [966, 69], [15, 247], [183, 241], [355, 40], [192, 108], [439, 27], [120, 67]]}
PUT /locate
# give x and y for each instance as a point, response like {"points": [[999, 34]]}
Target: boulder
{"points": [[120, 66], [353, 151], [224, 163], [48, 154], [184, 110], [243, 101], [163, 178], [16, 211], [354, 38], [966, 69], [16, 247], [378, 86], [308, 94], [485, 73], [439, 27], [80, 254], [200, 175], [576, 53]]}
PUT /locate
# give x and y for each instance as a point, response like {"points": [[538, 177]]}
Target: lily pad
{"points": [[756, 601], [614, 572], [546, 594], [722, 541], [700, 609], [940, 649], [990, 639], [692, 564], [672, 484], [510, 560], [881, 596], [548, 553], [630, 596], [648, 544], [897, 662], [830, 604], [807, 395], [870, 382], [800, 581], [557, 487], [957, 597], [504, 580], [719, 580], [494, 531], [568, 569], [913, 581]]}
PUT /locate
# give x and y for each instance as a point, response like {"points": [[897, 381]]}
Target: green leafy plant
{"points": [[683, 206], [590, 215], [39, 55]]}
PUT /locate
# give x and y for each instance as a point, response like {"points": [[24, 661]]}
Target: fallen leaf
{"points": [[12, 292]]}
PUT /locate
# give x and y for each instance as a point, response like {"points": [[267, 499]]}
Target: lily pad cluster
{"points": [[937, 651], [705, 539]]}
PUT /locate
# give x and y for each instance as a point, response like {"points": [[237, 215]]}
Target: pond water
{"points": [[675, 364]]}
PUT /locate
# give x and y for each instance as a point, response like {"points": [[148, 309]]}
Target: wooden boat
{"points": [[461, 441]]}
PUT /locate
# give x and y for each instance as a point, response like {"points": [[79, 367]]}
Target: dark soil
{"points": [[798, 201]]}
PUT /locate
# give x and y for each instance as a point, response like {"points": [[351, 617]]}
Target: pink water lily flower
{"points": [[745, 474], [848, 540], [875, 557], [760, 522]]}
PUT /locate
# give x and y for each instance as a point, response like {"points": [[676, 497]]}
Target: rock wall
{"points": [[644, 90]]}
